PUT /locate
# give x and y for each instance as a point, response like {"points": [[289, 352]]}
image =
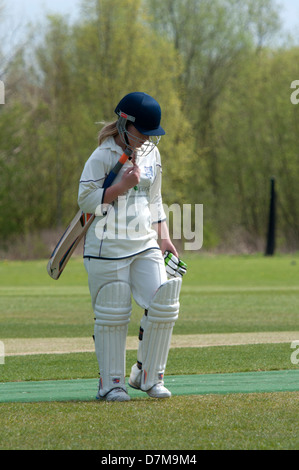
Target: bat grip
{"points": [[110, 178], [113, 173]]}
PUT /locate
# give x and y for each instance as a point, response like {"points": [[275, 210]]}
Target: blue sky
{"points": [[27, 10], [290, 14]]}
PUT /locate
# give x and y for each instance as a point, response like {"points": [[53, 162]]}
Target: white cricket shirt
{"points": [[124, 227]]}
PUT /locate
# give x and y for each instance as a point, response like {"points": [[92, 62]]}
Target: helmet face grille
{"points": [[142, 147]]}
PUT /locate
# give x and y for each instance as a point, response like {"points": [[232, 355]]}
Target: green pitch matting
{"points": [[86, 389]]}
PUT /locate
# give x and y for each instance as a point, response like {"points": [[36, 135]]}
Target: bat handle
{"points": [[113, 173], [109, 180]]}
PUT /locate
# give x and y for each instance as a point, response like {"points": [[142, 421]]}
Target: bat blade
{"points": [[68, 243]]}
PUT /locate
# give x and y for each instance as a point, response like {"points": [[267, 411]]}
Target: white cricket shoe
{"points": [[157, 391], [116, 394]]}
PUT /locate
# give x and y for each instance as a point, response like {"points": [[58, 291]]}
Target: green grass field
{"points": [[220, 295]]}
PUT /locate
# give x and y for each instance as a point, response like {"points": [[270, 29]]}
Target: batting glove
{"points": [[174, 266]]}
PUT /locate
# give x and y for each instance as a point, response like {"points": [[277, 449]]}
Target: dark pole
{"points": [[272, 221]]}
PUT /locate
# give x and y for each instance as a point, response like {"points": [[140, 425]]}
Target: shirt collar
{"points": [[110, 144]]}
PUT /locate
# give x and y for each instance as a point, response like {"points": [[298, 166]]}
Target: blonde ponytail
{"points": [[109, 130]]}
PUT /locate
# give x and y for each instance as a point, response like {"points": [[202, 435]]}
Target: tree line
{"points": [[225, 95]]}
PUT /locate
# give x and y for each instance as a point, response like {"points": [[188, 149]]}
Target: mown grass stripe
{"points": [[85, 389]]}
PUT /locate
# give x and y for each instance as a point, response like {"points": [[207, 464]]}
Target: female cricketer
{"points": [[124, 247]]}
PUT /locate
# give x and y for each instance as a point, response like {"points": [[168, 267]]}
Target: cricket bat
{"points": [[68, 243], [78, 228]]}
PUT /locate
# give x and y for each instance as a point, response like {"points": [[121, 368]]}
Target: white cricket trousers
{"points": [[144, 273]]}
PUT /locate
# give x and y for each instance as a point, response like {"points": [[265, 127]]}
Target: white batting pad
{"points": [[112, 312], [157, 328]]}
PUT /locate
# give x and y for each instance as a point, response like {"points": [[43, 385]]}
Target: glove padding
{"points": [[174, 266]]}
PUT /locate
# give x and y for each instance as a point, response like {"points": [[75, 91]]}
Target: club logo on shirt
{"points": [[149, 171]]}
